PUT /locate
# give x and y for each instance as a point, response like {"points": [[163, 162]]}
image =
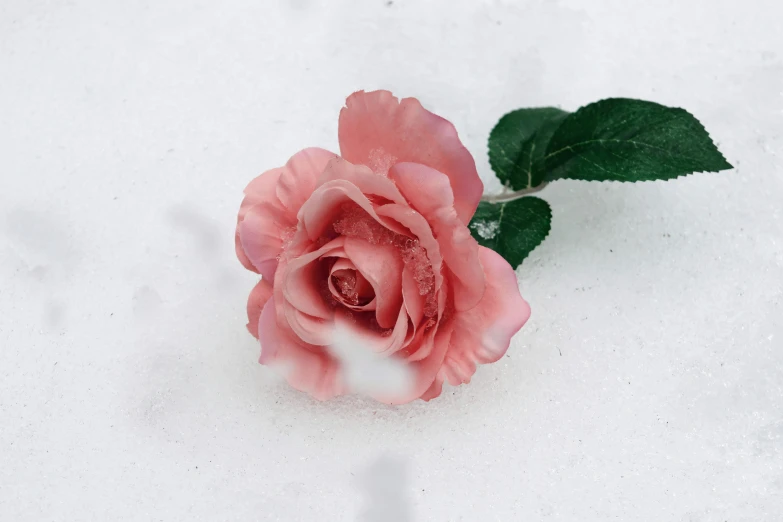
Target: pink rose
{"points": [[375, 242]]}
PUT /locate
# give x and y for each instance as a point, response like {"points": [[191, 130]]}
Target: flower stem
{"points": [[511, 196]]}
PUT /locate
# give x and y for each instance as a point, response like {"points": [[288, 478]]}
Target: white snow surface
{"points": [[647, 385]]}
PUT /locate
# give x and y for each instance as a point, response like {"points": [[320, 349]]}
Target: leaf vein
{"points": [[604, 141]]}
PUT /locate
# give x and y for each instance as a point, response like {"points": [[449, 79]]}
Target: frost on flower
{"points": [[486, 229]]}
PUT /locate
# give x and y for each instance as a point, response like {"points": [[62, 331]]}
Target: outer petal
{"points": [[299, 176], [426, 371], [272, 201], [260, 236], [434, 390], [255, 303], [421, 345], [482, 334], [259, 192], [378, 131], [308, 369], [428, 191], [309, 329]]}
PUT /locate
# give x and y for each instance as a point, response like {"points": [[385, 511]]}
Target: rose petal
{"points": [[310, 370], [433, 391], [414, 301], [482, 335], [378, 131], [298, 177], [277, 290], [417, 226], [303, 278], [241, 253], [274, 198], [382, 266], [362, 287], [422, 344], [461, 255], [368, 182], [261, 239], [373, 340], [255, 303], [426, 189], [260, 191], [429, 192], [426, 371], [311, 330], [324, 207]]}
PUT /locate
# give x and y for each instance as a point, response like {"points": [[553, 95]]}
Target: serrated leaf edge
{"points": [[685, 174], [493, 165], [549, 230]]}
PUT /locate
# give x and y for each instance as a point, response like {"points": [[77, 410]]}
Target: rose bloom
{"points": [[374, 242]]}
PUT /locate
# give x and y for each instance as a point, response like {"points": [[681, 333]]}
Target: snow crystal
{"points": [[486, 229]]}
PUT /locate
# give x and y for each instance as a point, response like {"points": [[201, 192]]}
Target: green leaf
{"points": [[518, 140], [512, 229], [628, 140]]}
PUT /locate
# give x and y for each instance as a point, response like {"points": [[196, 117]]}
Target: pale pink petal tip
{"points": [[483, 334], [377, 130]]}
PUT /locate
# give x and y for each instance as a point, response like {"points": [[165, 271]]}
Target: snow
{"points": [[486, 229], [648, 384]]}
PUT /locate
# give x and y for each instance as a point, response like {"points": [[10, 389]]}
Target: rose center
{"points": [[351, 287]]}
